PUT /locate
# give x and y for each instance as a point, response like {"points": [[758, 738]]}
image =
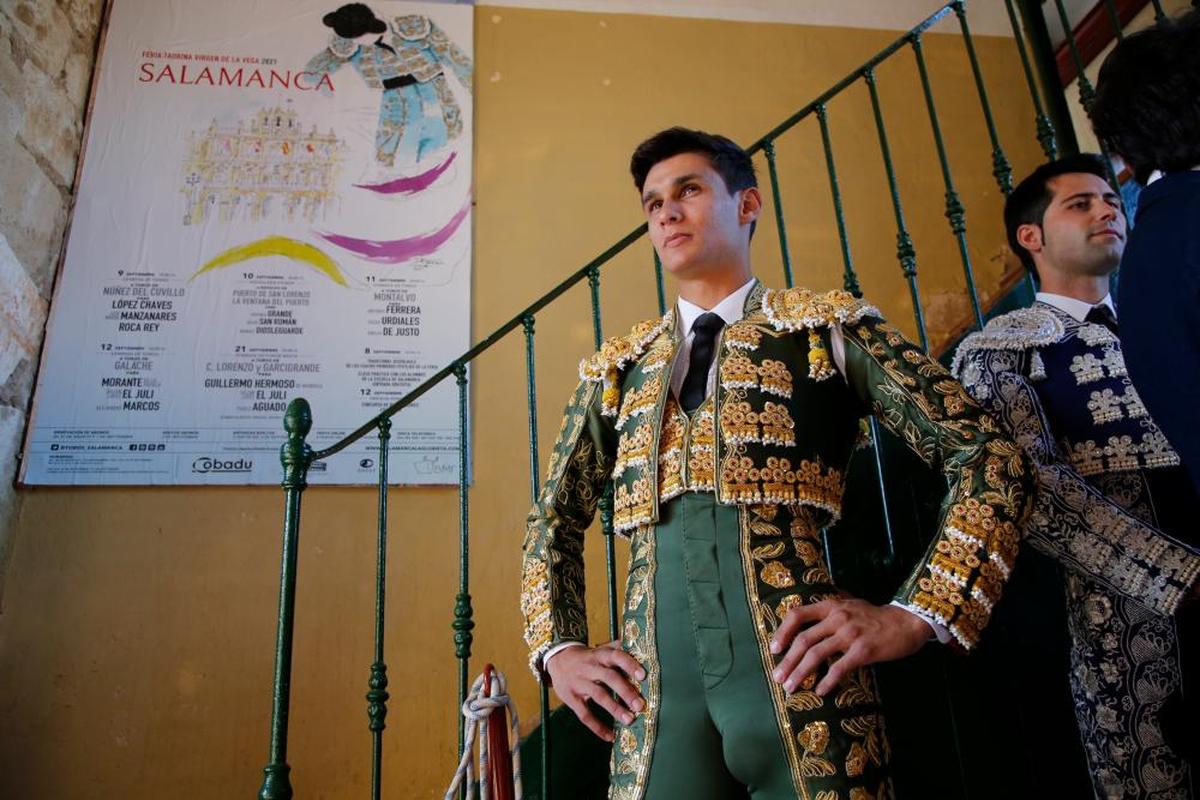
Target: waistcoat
{"points": [[779, 428]]}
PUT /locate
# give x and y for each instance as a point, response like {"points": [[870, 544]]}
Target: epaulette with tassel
{"points": [[804, 309], [617, 352], [1022, 329]]}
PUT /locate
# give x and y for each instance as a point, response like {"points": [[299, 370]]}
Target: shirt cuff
{"points": [[558, 648], [939, 631]]}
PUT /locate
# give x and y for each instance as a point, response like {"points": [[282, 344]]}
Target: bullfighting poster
{"points": [[274, 202]]}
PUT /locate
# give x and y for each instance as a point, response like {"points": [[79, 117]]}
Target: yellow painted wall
{"points": [[137, 636]]}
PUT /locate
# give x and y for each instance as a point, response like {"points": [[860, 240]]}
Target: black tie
{"points": [[1102, 315], [695, 385]]}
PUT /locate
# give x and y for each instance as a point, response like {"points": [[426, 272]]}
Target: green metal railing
{"points": [[297, 457]]}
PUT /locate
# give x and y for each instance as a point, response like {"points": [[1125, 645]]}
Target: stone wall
{"points": [[47, 50]]}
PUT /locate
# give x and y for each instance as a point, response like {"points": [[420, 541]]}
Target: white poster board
{"points": [[274, 202]]}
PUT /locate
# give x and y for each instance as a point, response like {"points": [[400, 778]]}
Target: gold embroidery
{"points": [[856, 691], [777, 425], [701, 469], [605, 365], [787, 604], [777, 575], [630, 761], [640, 400], [856, 760], [954, 397], [775, 378], [632, 505], [738, 372], [739, 423], [797, 309], [741, 336], [767, 618], [820, 365], [536, 607], [778, 482], [815, 737], [633, 449], [658, 357]]}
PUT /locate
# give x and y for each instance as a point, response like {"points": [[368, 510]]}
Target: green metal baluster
{"points": [[954, 207], [1087, 94], [1001, 169], [606, 499], [535, 489], [1159, 14], [594, 285], [850, 282], [849, 279], [463, 622], [658, 282], [769, 150], [1115, 19], [906, 254], [377, 694], [1045, 129], [295, 456]]}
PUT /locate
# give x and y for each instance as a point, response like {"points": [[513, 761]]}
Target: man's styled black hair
{"points": [[1028, 202], [729, 160], [1147, 107], [353, 20]]}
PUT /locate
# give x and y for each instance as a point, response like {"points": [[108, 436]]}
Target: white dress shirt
{"points": [[731, 309], [1076, 308]]}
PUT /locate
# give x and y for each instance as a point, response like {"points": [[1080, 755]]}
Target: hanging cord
{"points": [[488, 693]]}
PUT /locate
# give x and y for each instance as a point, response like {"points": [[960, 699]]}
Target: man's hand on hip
{"points": [[580, 674], [848, 632]]}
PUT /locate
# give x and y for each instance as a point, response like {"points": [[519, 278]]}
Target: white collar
{"points": [[1158, 173], [1076, 308], [731, 309]]}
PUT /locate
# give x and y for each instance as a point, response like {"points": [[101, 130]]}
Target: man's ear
{"points": [[750, 205], [1029, 236]]}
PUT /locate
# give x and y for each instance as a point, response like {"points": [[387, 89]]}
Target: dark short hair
{"points": [[353, 20], [728, 159], [1027, 203], [1147, 106]]}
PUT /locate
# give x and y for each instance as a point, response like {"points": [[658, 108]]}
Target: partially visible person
{"points": [[1147, 111], [1114, 507]]}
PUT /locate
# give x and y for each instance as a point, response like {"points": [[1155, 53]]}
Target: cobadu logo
{"points": [[366, 463], [207, 464]]}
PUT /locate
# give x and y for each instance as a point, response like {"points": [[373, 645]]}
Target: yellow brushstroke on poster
{"points": [[278, 246]]}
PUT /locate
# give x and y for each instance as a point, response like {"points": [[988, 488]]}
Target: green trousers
{"points": [[717, 735], [717, 728]]}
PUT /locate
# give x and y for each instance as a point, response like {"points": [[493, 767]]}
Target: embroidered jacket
{"points": [[1108, 481], [779, 430], [1039, 363]]}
